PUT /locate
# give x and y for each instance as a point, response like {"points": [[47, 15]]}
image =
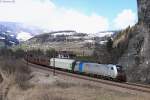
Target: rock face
{"points": [[144, 11], [1, 78], [144, 21], [136, 58]]}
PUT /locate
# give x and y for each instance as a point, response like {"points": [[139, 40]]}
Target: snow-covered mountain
{"points": [[19, 30], [8, 39], [71, 35], [68, 40]]}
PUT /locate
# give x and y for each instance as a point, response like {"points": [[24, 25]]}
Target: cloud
{"points": [[29, 11], [124, 19], [45, 14], [71, 19]]}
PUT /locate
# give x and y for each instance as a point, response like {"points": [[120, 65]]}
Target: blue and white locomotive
{"points": [[109, 71]]}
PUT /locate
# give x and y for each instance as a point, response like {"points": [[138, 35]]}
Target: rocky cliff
{"points": [[144, 11], [136, 58]]}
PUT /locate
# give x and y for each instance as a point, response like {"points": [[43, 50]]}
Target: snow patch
{"points": [[23, 36], [101, 34]]}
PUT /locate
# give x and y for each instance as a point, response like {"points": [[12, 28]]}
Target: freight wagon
{"points": [[66, 64]]}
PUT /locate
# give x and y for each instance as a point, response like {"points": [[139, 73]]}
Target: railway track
{"points": [[140, 85], [127, 85]]}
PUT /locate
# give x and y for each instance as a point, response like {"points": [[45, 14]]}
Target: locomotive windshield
{"points": [[119, 68]]}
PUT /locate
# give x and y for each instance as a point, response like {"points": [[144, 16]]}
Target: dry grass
{"points": [[13, 72], [65, 90], [76, 93], [64, 85]]}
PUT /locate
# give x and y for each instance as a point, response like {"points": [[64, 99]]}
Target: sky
{"points": [[88, 16]]}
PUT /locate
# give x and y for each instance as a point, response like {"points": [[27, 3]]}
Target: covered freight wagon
{"points": [[66, 64]]}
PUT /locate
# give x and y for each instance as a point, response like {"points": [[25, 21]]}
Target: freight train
{"points": [[107, 71]]}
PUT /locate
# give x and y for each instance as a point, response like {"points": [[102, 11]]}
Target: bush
{"points": [[86, 58], [51, 53], [109, 45], [6, 52], [102, 55], [36, 52], [21, 80], [21, 73], [1, 78], [7, 66], [19, 53]]}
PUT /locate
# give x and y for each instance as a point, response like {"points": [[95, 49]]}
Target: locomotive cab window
{"points": [[119, 68]]}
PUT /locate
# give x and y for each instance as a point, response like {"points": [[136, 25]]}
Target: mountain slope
{"points": [[16, 29], [68, 40]]}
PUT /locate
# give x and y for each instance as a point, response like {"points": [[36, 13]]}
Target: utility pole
{"points": [[27, 57], [128, 61], [6, 39], [54, 63]]}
